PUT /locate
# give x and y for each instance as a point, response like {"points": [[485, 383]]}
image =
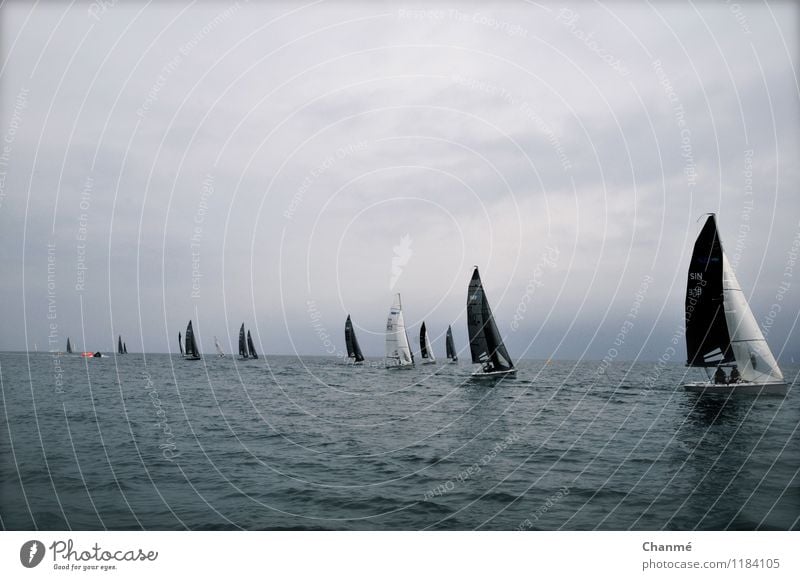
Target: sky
{"points": [[285, 165]]}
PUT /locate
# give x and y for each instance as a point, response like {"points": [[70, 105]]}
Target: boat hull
{"points": [[494, 374], [707, 388]]}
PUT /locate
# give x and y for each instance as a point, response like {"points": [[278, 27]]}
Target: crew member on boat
{"points": [[735, 376], [719, 376]]}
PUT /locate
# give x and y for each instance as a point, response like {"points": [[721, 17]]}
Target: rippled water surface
{"points": [[285, 443]]}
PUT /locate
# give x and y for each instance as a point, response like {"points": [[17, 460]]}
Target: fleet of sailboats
{"points": [[721, 331]]}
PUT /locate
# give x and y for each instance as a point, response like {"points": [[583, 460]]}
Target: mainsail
{"points": [[191, 344], [450, 346], [180, 344], [242, 343], [69, 346], [251, 349], [485, 343], [124, 348], [398, 352], [425, 350], [353, 348], [218, 347], [720, 327], [119, 345]]}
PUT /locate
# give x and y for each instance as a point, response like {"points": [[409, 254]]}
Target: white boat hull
{"points": [[494, 374], [707, 388]]}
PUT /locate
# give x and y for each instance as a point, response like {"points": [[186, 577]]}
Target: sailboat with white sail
{"points": [[351, 342], [450, 347], [721, 331], [425, 350], [220, 352], [192, 352], [485, 342], [398, 351]]}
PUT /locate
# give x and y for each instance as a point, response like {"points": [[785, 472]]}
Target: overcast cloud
{"points": [[302, 147]]}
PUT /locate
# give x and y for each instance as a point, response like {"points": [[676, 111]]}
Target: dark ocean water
{"points": [[284, 443]]}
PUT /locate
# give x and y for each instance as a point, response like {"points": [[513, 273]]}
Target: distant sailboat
{"points": [[353, 348], [485, 342], [250, 348], [450, 347], [192, 352], [242, 343], [69, 346], [180, 344], [124, 348], [721, 330], [425, 350], [217, 346], [120, 350], [398, 351]]}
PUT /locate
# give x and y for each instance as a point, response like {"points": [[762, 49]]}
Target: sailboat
{"points": [[250, 348], [69, 346], [242, 343], [350, 340], [192, 352], [425, 350], [180, 344], [721, 330], [450, 347], [220, 353], [485, 342], [398, 352], [120, 350], [124, 348]]}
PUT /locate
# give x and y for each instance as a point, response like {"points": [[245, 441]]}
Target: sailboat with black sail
{"points": [[351, 342], [120, 350], [69, 346], [450, 347], [242, 343], [250, 348], [485, 342], [192, 352], [398, 351], [425, 350], [721, 331]]}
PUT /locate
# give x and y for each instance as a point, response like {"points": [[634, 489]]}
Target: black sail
{"points": [[191, 343], [180, 342], [485, 343], [119, 345], [242, 343], [423, 350], [250, 346], [708, 341], [69, 346], [351, 342], [124, 348], [450, 345]]}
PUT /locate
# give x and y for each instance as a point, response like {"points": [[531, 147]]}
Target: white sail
{"points": [[218, 347], [398, 352], [753, 357]]}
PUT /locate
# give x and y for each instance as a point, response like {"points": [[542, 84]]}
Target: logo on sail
{"points": [[31, 553], [402, 254]]}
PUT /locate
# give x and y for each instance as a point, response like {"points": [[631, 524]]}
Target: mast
{"points": [[250, 346], [708, 341], [242, 343], [485, 343]]}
